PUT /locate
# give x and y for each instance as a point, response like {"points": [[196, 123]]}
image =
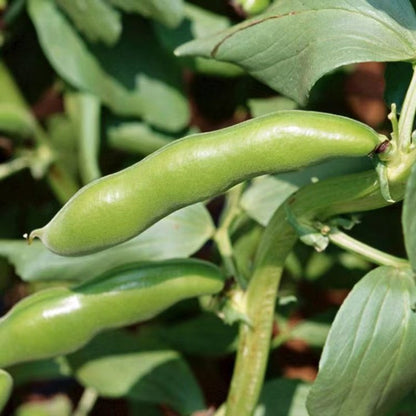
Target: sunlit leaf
{"points": [[117, 364], [168, 12], [178, 235], [365, 366], [295, 42], [146, 84], [84, 14], [58, 405]]}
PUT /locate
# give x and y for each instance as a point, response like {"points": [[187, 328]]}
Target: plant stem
{"points": [[86, 403], [375, 256], [319, 201], [15, 165], [222, 237], [407, 116]]}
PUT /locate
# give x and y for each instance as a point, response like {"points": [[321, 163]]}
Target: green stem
{"points": [[222, 237], [86, 403], [369, 253], [407, 116], [15, 165], [84, 110], [352, 193]]}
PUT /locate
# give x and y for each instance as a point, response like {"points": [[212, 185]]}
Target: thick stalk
{"points": [[352, 193], [407, 116]]}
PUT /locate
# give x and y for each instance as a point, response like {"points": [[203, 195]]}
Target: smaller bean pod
{"points": [[6, 384], [118, 207], [58, 321]]}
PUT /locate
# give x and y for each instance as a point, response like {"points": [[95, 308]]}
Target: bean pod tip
{"points": [[37, 233]]}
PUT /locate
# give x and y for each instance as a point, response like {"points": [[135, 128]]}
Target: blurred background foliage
{"points": [[81, 97]]}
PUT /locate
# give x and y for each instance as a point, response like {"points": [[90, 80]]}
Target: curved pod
{"points": [[61, 320], [6, 384], [117, 207]]}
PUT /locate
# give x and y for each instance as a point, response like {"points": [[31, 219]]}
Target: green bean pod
{"points": [[117, 207], [6, 384], [61, 320]]}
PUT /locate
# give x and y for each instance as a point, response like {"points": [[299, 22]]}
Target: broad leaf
{"points": [[136, 137], [267, 193], [61, 43], [106, 28], [198, 23], [178, 235], [16, 121], [117, 364], [261, 106], [366, 365], [168, 12], [58, 405], [40, 370], [264, 196], [282, 397], [314, 331], [409, 218], [295, 42], [146, 84]]}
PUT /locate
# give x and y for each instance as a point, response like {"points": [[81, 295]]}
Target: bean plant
{"points": [[193, 205]]}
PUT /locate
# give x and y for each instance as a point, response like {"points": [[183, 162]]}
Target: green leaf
{"points": [[168, 12], [294, 43], [178, 235], [198, 23], [61, 43], [136, 137], [58, 405], [261, 106], [35, 371], [107, 28], [314, 331], [409, 218], [16, 121], [282, 397], [205, 335], [267, 193], [264, 196], [117, 364], [366, 363], [146, 84]]}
